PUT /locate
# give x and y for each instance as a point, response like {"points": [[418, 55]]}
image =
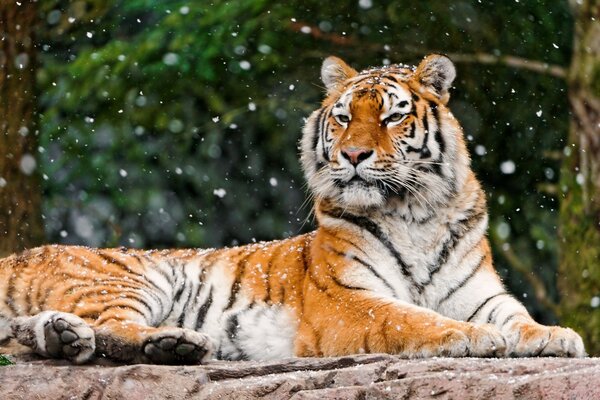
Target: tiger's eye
{"points": [[395, 117], [344, 119]]}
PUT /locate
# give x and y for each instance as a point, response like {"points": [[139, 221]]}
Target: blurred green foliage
{"points": [[175, 123], [4, 361]]}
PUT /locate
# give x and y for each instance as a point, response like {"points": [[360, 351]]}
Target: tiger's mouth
{"points": [[355, 181], [360, 192], [368, 192]]}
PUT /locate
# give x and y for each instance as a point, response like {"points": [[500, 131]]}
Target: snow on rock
{"points": [[372, 376]]}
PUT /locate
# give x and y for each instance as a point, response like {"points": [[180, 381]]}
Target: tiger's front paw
{"points": [[469, 340], [487, 341], [532, 340], [178, 346]]}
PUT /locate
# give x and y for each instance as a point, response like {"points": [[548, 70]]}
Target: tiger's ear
{"points": [[334, 72], [436, 73]]}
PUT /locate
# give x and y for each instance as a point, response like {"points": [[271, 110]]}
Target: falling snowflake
{"points": [[170, 59], [220, 193], [245, 65], [508, 167], [365, 4], [27, 164]]}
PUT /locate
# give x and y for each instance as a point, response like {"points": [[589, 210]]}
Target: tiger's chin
{"points": [[362, 197]]}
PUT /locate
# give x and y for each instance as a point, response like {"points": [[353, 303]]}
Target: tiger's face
{"points": [[383, 133]]}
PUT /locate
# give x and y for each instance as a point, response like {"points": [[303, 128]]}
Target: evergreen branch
{"points": [[511, 61], [476, 58]]}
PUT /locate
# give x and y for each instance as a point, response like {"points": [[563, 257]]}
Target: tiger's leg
{"points": [[351, 321], [56, 334], [128, 338], [480, 297], [526, 337]]}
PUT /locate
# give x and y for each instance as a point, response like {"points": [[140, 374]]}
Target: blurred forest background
{"points": [[152, 123]]}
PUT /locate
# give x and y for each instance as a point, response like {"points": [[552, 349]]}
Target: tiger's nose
{"points": [[356, 154]]}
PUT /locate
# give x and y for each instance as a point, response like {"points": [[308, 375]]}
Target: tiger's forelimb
{"points": [[369, 325]]}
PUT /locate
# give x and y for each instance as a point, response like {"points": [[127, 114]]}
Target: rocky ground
{"points": [[376, 376]]}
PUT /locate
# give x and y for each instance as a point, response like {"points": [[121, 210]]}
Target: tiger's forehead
{"points": [[385, 86], [393, 69]]}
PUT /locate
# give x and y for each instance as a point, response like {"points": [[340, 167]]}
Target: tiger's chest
{"points": [[418, 246], [414, 262]]}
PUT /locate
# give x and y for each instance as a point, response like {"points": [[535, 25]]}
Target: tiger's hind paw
{"points": [[178, 346], [57, 335]]}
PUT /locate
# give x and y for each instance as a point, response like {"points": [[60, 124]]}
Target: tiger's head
{"points": [[385, 134]]}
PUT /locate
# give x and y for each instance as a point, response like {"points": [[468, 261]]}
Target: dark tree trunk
{"points": [[20, 196], [579, 272]]}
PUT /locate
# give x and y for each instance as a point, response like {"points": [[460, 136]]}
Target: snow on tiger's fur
{"points": [[400, 262]]}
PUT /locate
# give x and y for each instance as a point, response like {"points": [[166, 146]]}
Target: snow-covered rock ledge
{"points": [[376, 376]]}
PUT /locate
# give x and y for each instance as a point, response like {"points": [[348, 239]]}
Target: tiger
{"points": [[399, 262]]}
